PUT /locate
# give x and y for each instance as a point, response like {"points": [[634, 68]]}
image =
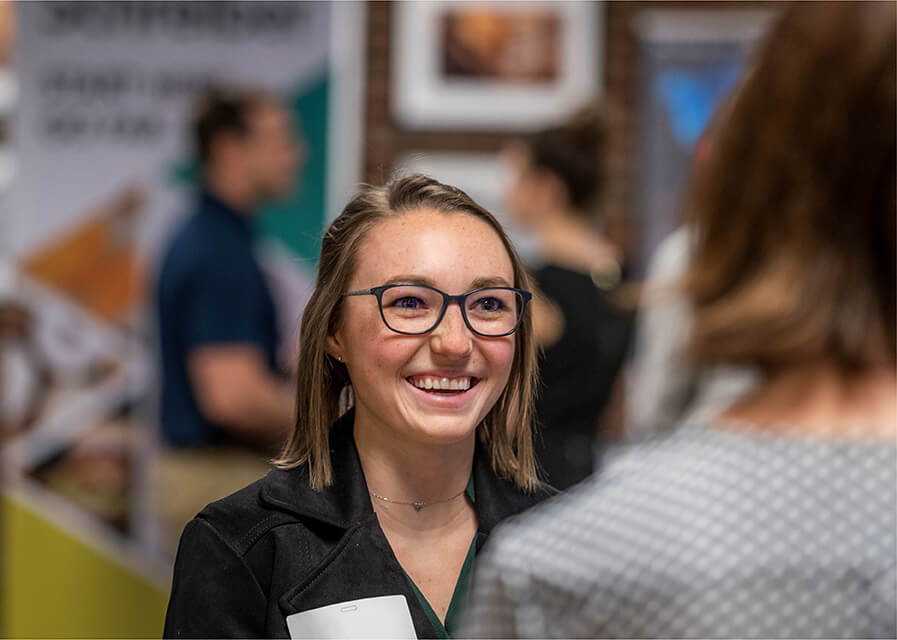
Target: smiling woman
{"points": [[420, 309]]}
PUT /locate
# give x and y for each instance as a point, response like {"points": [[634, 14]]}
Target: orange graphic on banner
{"points": [[96, 264]]}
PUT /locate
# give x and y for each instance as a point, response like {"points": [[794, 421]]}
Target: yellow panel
{"points": [[54, 586]]}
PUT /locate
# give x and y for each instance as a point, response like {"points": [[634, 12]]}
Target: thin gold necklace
{"points": [[417, 504]]}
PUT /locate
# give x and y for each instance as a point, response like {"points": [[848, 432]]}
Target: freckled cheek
{"points": [[392, 354], [363, 333], [380, 353], [500, 356]]}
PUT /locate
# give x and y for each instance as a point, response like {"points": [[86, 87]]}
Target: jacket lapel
{"points": [[361, 566], [499, 498]]}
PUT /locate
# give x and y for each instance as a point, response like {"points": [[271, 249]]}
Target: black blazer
{"points": [[278, 547]]}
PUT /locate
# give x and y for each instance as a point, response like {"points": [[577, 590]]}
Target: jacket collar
{"points": [[347, 501]]}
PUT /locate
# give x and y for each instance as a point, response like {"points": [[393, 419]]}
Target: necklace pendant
{"points": [[417, 505]]}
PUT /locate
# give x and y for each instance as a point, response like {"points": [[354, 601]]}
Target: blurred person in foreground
{"points": [[557, 175], [419, 314], [776, 517], [222, 390]]}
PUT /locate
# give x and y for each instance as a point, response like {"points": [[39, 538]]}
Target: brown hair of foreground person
{"points": [[321, 378], [795, 208]]}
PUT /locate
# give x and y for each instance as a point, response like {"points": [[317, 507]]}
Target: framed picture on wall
{"points": [[689, 62], [493, 65]]}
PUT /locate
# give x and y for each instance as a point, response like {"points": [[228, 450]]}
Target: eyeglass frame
{"points": [[447, 299]]}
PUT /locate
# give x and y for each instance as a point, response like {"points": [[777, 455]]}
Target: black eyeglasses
{"points": [[414, 309]]}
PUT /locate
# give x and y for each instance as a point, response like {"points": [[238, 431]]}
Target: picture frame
{"points": [[497, 66]]}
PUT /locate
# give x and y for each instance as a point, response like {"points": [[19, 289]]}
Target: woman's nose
{"points": [[452, 338]]}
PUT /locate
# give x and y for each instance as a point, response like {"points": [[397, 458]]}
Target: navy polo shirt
{"points": [[210, 291]]}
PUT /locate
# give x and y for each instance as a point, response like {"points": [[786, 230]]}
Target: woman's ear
{"points": [[335, 346]]}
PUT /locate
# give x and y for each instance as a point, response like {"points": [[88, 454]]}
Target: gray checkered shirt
{"points": [[706, 533]]}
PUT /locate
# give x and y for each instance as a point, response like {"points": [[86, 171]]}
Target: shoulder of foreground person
{"points": [[539, 557], [705, 532]]}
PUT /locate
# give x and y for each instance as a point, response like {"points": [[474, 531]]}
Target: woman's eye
{"points": [[490, 304], [409, 302]]}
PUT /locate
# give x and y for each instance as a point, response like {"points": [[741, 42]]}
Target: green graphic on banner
{"points": [[298, 221]]}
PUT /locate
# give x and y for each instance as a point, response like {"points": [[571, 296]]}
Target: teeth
{"points": [[441, 384]]}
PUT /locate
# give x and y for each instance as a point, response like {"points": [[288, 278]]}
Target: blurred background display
{"points": [[103, 170]]}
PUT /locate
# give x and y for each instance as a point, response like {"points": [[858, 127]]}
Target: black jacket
{"points": [[278, 547]]}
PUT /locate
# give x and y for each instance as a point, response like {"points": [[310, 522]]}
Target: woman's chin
{"points": [[441, 430]]}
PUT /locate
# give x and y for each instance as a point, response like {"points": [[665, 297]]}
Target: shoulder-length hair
{"points": [[506, 431], [794, 209]]}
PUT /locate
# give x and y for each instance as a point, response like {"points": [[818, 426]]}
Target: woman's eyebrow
{"points": [[479, 283], [410, 280]]}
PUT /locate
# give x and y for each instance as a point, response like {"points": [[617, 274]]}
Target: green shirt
{"points": [[460, 593]]}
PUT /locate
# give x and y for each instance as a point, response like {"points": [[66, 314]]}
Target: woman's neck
{"points": [[404, 471], [820, 400], [233, 191]]}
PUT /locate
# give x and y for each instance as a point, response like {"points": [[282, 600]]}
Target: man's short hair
{"points": [[223, 111]]}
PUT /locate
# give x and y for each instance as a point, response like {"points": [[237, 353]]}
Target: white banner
{"points": [[104, 170]]}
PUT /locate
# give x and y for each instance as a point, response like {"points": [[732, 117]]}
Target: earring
{"points": [[346, 398], [340, 358]]}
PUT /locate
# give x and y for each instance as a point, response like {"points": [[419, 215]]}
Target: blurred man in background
{"points": [[217, 320]]}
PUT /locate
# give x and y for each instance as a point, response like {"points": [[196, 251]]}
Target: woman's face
{"points": [[454, 253]]}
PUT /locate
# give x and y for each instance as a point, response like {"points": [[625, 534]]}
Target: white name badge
{"points": [[381, 617]]}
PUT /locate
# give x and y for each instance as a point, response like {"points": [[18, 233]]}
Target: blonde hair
{"points": [[321, 378]]}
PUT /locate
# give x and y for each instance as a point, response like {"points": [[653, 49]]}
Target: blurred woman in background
{"points": [[556, 181], [774, 518]]}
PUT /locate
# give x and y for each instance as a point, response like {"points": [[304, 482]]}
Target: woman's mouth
{"points": [[443, 385]]}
